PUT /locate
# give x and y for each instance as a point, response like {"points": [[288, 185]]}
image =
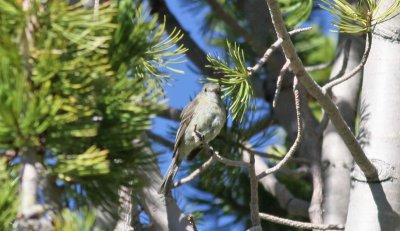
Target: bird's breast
{"points": [[210, 120]]}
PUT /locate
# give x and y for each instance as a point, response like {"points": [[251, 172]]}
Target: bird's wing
{"points": [[186, 117]]}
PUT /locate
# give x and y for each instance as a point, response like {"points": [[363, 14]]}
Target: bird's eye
{"points": [[205, 89]]}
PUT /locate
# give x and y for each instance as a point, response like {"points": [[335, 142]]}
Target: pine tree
{"points": [[77, 86]]}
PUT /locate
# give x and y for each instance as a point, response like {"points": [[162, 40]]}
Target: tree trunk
{"points": [[336, 158], [376, 205], [162, 209]]}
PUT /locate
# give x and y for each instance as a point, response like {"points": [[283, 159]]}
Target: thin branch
{"points": [[226, 161], [299, 224], [279, 82], [254, 209], [271, 49], [359, 67], [298, 160], [316, 91], [196, 172], [299, 137], [318, 67], [255, 44]]}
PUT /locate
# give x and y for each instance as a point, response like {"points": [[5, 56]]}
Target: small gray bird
{"points": [[201, 122]]}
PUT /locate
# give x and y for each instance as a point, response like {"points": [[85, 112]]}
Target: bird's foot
{"points": [[198, 137]]}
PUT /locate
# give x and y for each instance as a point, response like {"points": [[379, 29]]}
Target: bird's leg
{"points": [[198, 137]]}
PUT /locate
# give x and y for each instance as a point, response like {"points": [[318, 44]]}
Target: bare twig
{"points": [[359, 67], [318, 67], [298, 160], [279, 83], [271, 49], [324, 100], [299, 137], [191, 220], [229, 162], [254, 210], [298, 224], [196, 172]]}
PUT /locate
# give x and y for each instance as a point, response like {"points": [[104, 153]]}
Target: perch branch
{"points": [[226, 161], [196, 172]]}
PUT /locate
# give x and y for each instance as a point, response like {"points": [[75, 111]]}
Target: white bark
{"points": [[336, 158], [376, 206]]}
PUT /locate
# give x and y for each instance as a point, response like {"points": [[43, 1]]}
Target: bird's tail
{"points": [[168, 180]]}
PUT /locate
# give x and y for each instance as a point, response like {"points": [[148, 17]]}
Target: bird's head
{"points": [[212, 89]]}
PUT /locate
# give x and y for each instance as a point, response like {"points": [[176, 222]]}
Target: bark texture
{"points": [[376, 205], [337, 161]]}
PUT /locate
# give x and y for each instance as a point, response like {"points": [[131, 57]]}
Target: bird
{"points": [[201, 121]]}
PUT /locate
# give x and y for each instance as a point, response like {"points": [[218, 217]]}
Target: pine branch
{"points": [[196, 54]]}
